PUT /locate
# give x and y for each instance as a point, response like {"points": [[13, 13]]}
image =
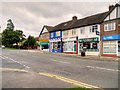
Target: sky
{"points": [[30, 17]]}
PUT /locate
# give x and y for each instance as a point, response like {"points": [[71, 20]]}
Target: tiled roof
{"points": [[94, 19], [49, 28], [90, 20]]}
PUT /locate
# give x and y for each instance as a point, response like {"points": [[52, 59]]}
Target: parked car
{"points": [[3, 47]]}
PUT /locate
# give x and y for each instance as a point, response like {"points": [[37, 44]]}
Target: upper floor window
{"points": [[65, 33], [82, 30], [93, 28], [109, 27], [74, 32], [58, 33], [52, 35]]}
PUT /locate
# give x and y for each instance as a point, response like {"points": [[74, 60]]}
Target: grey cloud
{"points": [[31, 16]]}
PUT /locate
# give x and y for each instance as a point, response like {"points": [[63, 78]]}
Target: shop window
{"points": [[94, 46], [87, 45], [59, 44], [109, 47], [69, 46], [118, 48], [90, 46], [56, 45]]}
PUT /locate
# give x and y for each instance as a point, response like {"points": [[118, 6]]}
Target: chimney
{"points": [[74, 18], [110, 7]]}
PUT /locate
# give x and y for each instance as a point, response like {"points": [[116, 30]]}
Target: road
{"points": [[24, 69]]}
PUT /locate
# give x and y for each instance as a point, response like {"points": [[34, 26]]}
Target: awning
{"points": [[44, 43]]}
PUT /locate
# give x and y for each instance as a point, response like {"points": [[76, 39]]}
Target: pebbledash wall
{"points": [[110, 34], [87, 38], [70, 41]]}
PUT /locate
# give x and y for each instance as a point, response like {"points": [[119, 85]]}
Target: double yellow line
{"points": [[77, 83]]}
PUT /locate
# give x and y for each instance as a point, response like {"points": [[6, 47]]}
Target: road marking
{"points": [[17, 62], [2, 57], [68, 80], [12, 69], [61, 61], [6, 57], [102, 68]]}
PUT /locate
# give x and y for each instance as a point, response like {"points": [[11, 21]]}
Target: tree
{"points": [[31, 41], [10, 25], [11, 36]]}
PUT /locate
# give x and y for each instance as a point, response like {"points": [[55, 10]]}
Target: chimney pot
{"points": [[74, 18], [110, 7]]}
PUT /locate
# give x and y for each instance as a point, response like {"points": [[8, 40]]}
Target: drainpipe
{"points": [[76, 44]]}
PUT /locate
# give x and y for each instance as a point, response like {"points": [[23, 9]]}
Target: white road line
{"points": [[17, 62], [102, 68], [27, 67], [5, 57], [2, 57], [61, 61], [64, 62]]}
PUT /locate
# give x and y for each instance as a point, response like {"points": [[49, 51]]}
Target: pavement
{"points": [[90, 57], [36, 69]]}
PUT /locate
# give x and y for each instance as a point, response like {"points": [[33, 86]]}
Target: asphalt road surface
{"points": [[24, 69]]}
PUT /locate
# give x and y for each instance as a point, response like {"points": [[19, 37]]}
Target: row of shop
{"points": [[98, 35], [74, 45], [111, 47]]}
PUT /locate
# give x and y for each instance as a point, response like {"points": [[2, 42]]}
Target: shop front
{"points": [[90, 44], [56, 45], [111, 45], [44, 44], [70, 45]]}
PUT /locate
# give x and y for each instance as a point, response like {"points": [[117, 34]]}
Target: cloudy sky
{"points": [[32, 16]]}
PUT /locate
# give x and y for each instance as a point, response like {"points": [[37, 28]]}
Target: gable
{"points": [[115, 13], [119, 12], [45, 30]]}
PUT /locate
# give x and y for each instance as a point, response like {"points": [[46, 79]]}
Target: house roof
{"points": [[94, 19], [49, 28], [90, 20]]}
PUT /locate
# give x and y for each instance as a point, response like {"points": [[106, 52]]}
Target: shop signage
{"points": [[89, 40], [43, 40], [69, 39], [113, 37], [44, 43], [55, 40]]}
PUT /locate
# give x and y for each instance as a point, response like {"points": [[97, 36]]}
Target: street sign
{"points": [[97, 33]]}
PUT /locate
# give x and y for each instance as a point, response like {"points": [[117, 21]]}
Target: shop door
{"points": [[80, 46]]}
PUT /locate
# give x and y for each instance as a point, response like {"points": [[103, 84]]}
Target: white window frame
{"points": [[93, 28], [52, 35], [57, 33], [110, 26], [74, 31], [82, 30], [65, 33]]}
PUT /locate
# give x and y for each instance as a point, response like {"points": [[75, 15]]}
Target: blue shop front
{"points": [[111, 45], [55, 41]]}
